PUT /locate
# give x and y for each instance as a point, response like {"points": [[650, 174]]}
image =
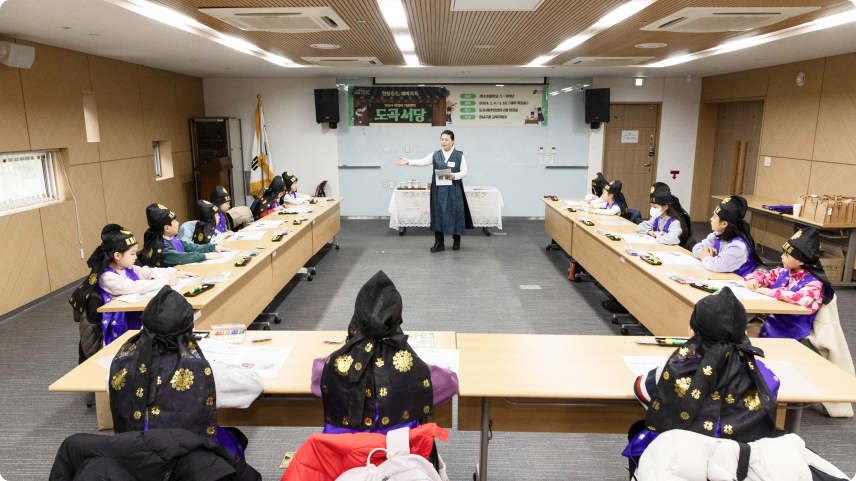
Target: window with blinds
{"points": [[26, 179]]}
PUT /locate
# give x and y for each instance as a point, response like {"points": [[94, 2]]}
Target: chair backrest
{"points": [[319, 191], [635, 216], [689, 243]]}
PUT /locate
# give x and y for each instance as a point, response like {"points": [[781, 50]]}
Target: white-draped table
{"points": [[412, 208]]}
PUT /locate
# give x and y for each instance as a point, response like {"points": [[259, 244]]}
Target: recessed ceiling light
{"points": [[651, 45], [325, 46], [361, 21], [500, 85], [420, 85], [484, 46]]}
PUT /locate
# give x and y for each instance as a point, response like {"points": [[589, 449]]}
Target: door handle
{"points": [[647, 164]]}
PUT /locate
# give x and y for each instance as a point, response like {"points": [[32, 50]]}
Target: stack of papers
{"points": [[638, 239], [420, 339], [614, 222], [740, 291], [266, 361], [679, 260], [299, 208], [574, 202], [446, 358], [640, 365], [267, 224], [244, 235], [223, 277], [227, 256]]}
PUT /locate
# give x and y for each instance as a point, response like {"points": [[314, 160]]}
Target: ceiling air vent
{"points": [[280, 19], [605, 61], [495, 5], [724, 19], [344, 61]]}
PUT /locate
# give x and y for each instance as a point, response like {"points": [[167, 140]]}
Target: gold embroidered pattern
{"points": [[707, 370], [405, 416], [379, 362], [207, 371], [642, 436], [751, 366], [685, 415], [159, 381], [324, 388], [368, 393], [402, 361], [655, 405], [708, 425], [138, 415], [200, 237], [729, 399], [382, 392], [651, 428], [751, 400], [696, 393], [797, 235], [211, 430], [343, 363], [727, 429], [683, 351], [149, 252], [385, 420], [776, 378], [682, 384], [715, 396], [182, 379], [345, 420], [142, 368], [426, 409], [118, 381], [155, 410], [368, 347], [358, 366], [367, 421], [209, 401], [426, 383], [140, 392], [666, 375], [191, 345], [93, 278]]}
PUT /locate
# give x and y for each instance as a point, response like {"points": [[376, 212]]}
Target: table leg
{"points": [[851, 257], [485, 438], [793, 419]]}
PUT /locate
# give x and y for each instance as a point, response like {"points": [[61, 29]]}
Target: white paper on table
{"points": [[241, 236], [129, 298], [227, 256], [441, 174], [740, 291], [105, 361], [574, 202], [267, 224], [640, 365], [223, 277], [639, 239], [266, 361], [182, 283], [420, 339], [679, 260], [792, 381], [447, 358], [301, 208], [614, 222]]}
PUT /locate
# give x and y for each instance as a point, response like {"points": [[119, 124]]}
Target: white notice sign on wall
{"points": [[629, 136]]}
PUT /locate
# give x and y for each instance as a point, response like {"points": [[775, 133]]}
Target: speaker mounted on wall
{"points": [[327, 106], [597, 107]]}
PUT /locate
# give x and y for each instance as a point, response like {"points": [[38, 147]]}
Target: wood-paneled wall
{"points": [[807, 130], [113, 180]]}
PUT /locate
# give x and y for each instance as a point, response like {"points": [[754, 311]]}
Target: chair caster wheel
{"points": [[624, 331], [337, 246], [309, 278], [615, 319], [312, 272], [266, 328], [277, 320]]}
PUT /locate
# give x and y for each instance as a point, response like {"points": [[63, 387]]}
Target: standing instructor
{"points": [[450, 213]]}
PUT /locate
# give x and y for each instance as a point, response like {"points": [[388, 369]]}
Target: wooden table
{"points": [[252, 287], [287, 399], [660, 304], [756, 204], [580, 384]]}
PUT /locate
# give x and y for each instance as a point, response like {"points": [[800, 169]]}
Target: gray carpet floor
{"points": [[476, 289]]}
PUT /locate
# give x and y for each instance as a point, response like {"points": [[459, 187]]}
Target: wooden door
{"points": [[630, 151]]}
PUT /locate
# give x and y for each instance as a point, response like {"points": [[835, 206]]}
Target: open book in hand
{"points": [[442, 176]]}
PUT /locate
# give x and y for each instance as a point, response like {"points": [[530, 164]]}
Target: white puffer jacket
{"points": [[687, 456]]}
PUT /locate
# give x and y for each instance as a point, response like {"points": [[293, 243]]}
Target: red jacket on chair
{"points": [[324, 457]]}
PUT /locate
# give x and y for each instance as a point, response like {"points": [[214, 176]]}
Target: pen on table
{"points": [[712, 279], [671, 342]]}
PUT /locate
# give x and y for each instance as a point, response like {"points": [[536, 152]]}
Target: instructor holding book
{"points": [[450, 213]]}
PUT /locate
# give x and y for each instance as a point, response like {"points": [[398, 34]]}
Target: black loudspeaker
{"points": [[597, 107], [327, 106]]}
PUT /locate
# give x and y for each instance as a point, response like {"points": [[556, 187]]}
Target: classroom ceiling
{"points": [[445, 41]]}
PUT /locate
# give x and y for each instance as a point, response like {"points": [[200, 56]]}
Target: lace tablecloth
{"points": [[412, 208]]}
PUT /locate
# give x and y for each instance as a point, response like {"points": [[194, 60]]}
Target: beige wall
{"points": [[807, 132], [113, 180]]}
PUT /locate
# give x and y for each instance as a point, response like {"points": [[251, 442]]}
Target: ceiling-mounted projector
{"points": [[18, 56]]}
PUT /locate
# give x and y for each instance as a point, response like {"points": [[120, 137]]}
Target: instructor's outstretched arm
{"points": [[402, 161]]}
